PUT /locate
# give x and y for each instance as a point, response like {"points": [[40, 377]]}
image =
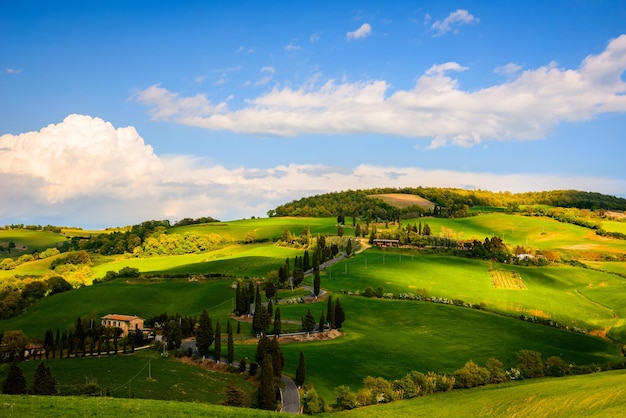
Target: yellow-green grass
{"points": [[535, 232], [552, 292], [19, 406], [138, 297], [31, 268], [403, 200], [614, 226], [250, 260], [618, 267], [27, 241], [144, 374], [595, 395], [389, 338], [262, 228]]}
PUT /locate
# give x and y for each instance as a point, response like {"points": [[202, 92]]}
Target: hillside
{"points": [[453, 202]]}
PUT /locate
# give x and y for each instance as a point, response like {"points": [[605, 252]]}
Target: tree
{"points": [[57, 284], [204, 333], [308, 321], [267, 346], [330, 313], [218, 341], [301, 371], [349, 247], [346, 399], [529, 363], [340, 231], [230, 354], [322, 322], [277, 322], [13, 343], [261, 319], [471, 375], [340, 316], [496, 370], [270, 289], [44, 383], [234, 396], [15, 383], [426, 230], [316, 284], [266, 396], [79, 335]]}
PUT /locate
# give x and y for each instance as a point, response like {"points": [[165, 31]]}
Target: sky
{"points": [[116, 112]]}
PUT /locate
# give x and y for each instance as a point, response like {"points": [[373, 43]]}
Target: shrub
{"points": [[529, 363], [471, 375], [345, 398]]}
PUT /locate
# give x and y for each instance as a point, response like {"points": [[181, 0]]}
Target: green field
{"points": [[555, 292], [27, 241], [614, 226], [433, 337], [382, 337], [143, 374], [596, 395], [534, 232], [263, 229]]}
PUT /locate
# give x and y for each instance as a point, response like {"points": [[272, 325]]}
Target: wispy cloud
{"points": [[363, 31], [524, 107], [13, 70], [509, 69], [122, 179], [314, 37], [269, 74], [292, 46], [453, 22]]}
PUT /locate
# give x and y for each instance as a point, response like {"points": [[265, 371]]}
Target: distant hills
{"points": [[391, 203]]}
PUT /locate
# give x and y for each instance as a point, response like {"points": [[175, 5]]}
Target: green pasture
{"points": [[552, 292], [614, 226], [616, 267], [144, 374], [536, 232], [595, 395], [250, 260], [19, 406], [263, 229], [27, 241], [389, 338], [144, 298]]}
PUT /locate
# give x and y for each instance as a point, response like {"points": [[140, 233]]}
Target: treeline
{"points": [[376, 390], [450, 202]]}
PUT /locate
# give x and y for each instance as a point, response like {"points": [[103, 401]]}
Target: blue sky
{"points": [[120, 111]]}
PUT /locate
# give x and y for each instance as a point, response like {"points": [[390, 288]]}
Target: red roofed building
{"points": [[126, 323]]}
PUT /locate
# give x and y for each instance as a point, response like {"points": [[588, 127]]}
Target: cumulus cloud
{"points": [[453, 22], [85, 172], [524, 107], [363, 31]]}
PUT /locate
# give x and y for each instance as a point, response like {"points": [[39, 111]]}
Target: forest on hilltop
{"points": [[449, 202]]}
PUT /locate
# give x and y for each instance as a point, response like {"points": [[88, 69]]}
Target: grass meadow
{"points": [[596, 395], [556, 292], [27, 241], [144, 374], [262, 229], [389, 338], [537, 232]]}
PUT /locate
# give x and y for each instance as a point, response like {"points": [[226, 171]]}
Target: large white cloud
{"points": [[85, 172], [525, 107]]}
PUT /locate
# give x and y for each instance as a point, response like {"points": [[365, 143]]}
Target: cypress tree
{"points": [[15, 383], [278, 359], [230, 355], [266, 397], [330, 313], [218, 341], [322, 322], [57, 343], [238, 327], [340, 316], [316, 283], [79, 336], [277, 322], [308, 321], [301, 371], [204, 333], [44, 383], [270, 309]]}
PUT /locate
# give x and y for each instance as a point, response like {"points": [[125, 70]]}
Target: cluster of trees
{"points": [[333, 318], [89, 336], [450, 202], [379, 390], [197, 221], [44, 383], [16, 296], [50, 228]]}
